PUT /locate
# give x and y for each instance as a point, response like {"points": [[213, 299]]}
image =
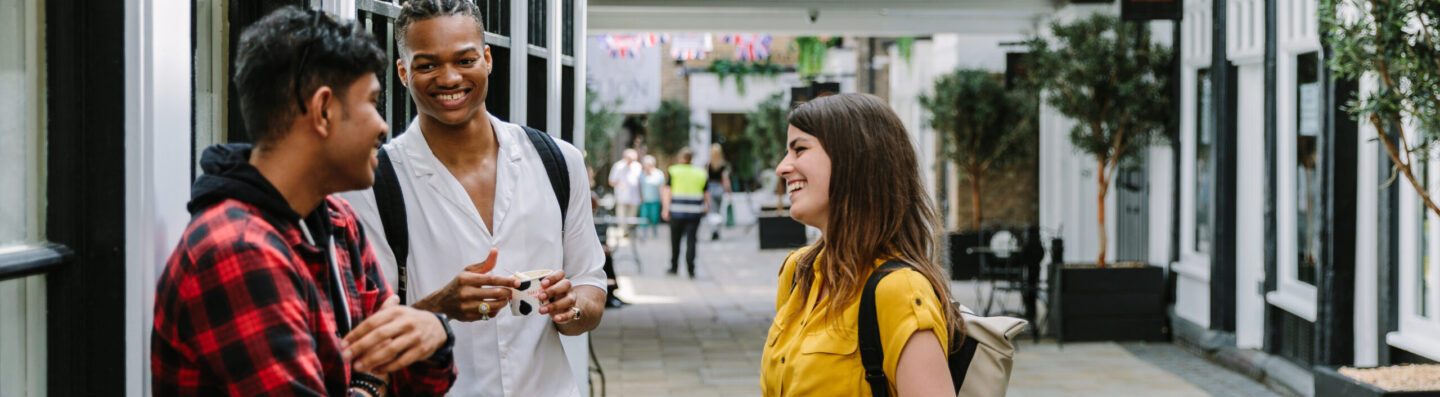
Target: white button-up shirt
{"points": [[507, 355]]}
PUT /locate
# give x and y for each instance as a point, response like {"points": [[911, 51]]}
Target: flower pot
{"points": [[781, 232], [965, 265], [1329, 382], [1118, 303]]}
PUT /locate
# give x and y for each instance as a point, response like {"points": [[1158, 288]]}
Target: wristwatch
{"points": [[442, 355]]}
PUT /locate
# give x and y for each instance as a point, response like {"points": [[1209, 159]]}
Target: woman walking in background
{"points": [[851, 172], [718, 187], [651, 179]]}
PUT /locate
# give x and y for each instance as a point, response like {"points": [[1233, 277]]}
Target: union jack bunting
{"points": [[749, 47], [625, 45]]}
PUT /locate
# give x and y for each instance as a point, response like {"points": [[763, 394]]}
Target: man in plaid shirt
{"points": [[273, 289]]}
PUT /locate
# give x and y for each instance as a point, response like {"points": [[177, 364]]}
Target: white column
{"points": [[581, 45], [519, 55], [553, 67], [157, 163]]}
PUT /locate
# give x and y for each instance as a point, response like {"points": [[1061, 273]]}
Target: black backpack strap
{"points": [[960, 361], [872, 352], [390, 201], [555, 168]]}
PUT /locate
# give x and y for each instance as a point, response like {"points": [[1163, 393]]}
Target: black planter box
{"points": [[781, 232], [1330, 383], [1111, 304], [964, 265]]}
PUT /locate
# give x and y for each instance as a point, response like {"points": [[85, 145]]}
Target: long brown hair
{"points": [[878, 206]]}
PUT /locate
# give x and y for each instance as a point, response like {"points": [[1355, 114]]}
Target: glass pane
{"points": [[1309, 184], [1204, 177], [1423, 268], [18, 123]]}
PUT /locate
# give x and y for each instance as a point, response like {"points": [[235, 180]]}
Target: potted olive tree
{"points": [[1107, 76], [668, 127], [983, 127], [1394, 43], [765, 128]]}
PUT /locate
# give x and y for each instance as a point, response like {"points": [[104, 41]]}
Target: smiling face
{"points": [[356, 135], [806, 171], [446, 68]]}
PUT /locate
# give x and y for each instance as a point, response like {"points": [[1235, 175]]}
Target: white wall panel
{"points": [[157, 164]]}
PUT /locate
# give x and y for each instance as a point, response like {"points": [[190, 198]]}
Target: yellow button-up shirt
{"points": [[810, 354]]}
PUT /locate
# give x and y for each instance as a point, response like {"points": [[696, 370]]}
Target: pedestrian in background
{"points": [[683, 204], [625, 179], [718, 188], [651, 179]]}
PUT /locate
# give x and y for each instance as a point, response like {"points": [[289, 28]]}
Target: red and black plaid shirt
{"points": [[242, 310]]}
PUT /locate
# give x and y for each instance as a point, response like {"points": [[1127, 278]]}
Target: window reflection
{"points": [[1309, 177], [1204, 133]]}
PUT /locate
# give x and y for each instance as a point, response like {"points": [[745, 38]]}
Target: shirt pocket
{"points": [[828, 364], [824, 342]]}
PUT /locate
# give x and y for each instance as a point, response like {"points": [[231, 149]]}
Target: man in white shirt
{"points": [[625, 178], [473, 185]]}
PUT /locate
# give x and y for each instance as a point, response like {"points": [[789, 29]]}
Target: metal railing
{"points": [[30, 259]]}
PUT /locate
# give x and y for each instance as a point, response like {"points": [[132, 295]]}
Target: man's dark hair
{"points": [[420, 10], [286, 56]]}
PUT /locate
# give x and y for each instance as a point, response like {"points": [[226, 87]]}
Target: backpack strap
{"points": [[872, 352], [391, 203], [555, 168], [960, 362]]}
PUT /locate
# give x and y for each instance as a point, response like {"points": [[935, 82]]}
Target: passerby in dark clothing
{"points": [[683, 204]]}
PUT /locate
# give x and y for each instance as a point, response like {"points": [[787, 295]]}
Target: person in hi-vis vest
{"points": [[683, 204]]}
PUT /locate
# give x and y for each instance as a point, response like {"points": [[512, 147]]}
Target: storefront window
{"points": [[1309, 175], [19, 127], [1204, 177], [1423, 268]]}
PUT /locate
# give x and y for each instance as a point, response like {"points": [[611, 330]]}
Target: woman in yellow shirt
{"points": [[851, 172]]}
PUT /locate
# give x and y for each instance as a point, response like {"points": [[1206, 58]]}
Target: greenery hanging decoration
{"points": [[740, 70], [906, 47], [810, 55]]}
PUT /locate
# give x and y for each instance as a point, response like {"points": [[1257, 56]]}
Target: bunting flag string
{"points": [[690, 46], [749, 47], [625, 45]]}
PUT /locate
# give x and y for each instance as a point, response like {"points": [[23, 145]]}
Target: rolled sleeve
{"points": [[584, 258], [908, 305]]}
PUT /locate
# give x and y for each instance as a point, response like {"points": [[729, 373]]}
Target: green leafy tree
{"points": [[765, 129], [982, 126], [668, 127], [1107, 76], [1396, 42], [602, 124]]}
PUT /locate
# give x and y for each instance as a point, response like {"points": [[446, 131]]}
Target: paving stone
{"points": [[705, 337]]}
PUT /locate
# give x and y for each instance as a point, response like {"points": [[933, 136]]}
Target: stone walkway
{"points": [[704, 337]]}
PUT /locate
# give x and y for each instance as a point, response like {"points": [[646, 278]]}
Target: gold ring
{"points": [[484, 311]]}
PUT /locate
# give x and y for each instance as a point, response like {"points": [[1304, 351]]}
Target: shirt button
{"points": [[782, 360]]}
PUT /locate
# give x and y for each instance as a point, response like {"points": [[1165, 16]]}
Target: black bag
{"points": [[390, 201]]}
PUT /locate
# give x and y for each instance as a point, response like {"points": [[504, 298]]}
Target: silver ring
{"points": [[484, 311]]}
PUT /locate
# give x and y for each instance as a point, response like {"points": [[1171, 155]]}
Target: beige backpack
{"points": [[979, 368]]}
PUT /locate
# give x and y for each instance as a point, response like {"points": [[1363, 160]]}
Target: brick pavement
{"points": [[704, 337]]}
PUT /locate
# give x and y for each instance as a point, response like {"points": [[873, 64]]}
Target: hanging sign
{"points": [[1147, 10]]}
